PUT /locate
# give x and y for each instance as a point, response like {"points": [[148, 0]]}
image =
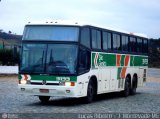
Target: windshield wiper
{"points": [[51, 57], [61, 66], [42, 57]]}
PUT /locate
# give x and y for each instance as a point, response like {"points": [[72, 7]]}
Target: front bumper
{"points": [[63, 91]]}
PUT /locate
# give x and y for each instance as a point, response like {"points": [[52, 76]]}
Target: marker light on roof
{"points": [[131, 33]]}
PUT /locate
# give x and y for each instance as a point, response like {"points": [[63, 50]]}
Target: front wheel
{"points": [[44, 99], [91, 92]]}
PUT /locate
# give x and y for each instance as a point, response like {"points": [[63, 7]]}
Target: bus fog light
{"points": [[68, 91], [22, 89]]}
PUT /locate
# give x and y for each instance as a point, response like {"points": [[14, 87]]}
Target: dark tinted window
{"points": [[53, 33], [139, 45], [116, 42], [132, 44], [58, 63], [96, 39], [145, 46], [124, 43], [85, 37], [84, 60], [106, 41], [49, 58], [33, 58]]}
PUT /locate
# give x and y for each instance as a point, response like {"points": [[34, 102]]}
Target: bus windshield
{"points": [[51, 33], [49, 58]]}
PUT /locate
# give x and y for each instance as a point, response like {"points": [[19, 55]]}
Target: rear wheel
{"points": [[126, 87], [44, 99], [91, 92], [134, 85]]}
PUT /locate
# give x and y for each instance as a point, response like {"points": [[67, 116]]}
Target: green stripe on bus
{"points": [[131, 61], [93, 57], [119, 73], [52, 78], [110, 59], [19, 77], [138, 61], [103, 60]]}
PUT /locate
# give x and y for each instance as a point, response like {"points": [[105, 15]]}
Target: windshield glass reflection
{"points": [[49, 58]]}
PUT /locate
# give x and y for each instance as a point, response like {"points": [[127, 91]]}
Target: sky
{"points": [[136, 16]]}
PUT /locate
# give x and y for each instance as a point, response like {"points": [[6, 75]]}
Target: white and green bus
{"points": [[75, 60]]}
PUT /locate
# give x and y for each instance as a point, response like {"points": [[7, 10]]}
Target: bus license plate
{"points": [[44, 90]]}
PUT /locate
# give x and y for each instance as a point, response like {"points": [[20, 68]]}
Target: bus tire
{"points": [[91, 92], [134, 85], [126, 91], [44, 99]]}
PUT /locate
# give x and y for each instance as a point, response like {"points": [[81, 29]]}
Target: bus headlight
{"points": [[69, 84], [23, 81]]}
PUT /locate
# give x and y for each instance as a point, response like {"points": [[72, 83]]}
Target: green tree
{"points": [[6, 56]]}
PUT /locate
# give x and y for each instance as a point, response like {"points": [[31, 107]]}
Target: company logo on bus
{"points": [[99, 61]]}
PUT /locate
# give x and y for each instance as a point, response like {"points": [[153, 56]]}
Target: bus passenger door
{"points": [[100, 80], [104, 76], [113, 79]]}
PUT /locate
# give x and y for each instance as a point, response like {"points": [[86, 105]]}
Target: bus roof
{"points": [[73, 23]]}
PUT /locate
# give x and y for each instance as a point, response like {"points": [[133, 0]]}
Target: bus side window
{"points": [[132, 44], [145, 46], [139, 45], [84, 60], [96, 39], [116, 42], [124, 43], [85, 37], [106, 41]]}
